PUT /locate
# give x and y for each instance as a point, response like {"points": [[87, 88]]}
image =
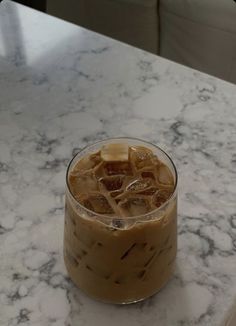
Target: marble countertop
{"points": [[62, 87]]}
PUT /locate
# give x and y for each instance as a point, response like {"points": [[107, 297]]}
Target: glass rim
{"points": [[128, 218]]}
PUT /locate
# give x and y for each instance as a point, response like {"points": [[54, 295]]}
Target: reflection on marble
{"points": [[62, 88]]}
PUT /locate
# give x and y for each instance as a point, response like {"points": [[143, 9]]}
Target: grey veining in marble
{"points": [[61, 88]]}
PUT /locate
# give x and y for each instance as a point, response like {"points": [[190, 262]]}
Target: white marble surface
{"points": [[62, 87]]}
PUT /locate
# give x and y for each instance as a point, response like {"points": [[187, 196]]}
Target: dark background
{"points": [[36, 4]]}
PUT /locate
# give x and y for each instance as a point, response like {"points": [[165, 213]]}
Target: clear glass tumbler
{"points": [[116, 259]]}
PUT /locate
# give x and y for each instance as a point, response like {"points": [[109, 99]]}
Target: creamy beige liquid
{"points": [[120, 261]]}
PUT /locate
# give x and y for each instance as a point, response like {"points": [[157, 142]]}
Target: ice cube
{"points": [[148, 191], [118, 168], [86, 203], [99, 170], [95, 158], [115, 152], [161, 196], [88, 162], [138, 185], [141, 157], [148, 174], [82, 183], [135, 206], [98, 203], [164, 175], [113, 182]]}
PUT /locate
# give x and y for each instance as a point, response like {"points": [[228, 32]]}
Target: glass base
{"points": [[121, 303]]}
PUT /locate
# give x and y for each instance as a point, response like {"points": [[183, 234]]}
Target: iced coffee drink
{"points": [[120, 236]]}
